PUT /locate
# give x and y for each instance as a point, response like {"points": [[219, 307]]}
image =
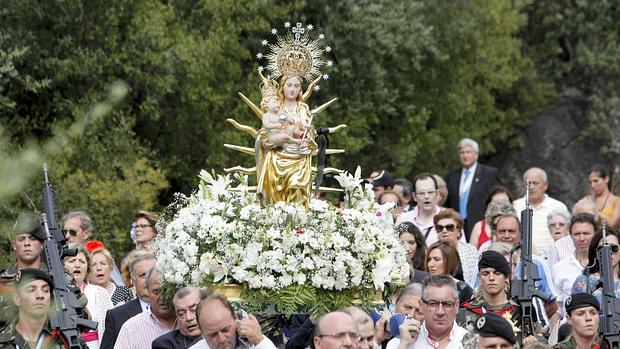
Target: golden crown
{"points": [[269, 87], [295, 53]]}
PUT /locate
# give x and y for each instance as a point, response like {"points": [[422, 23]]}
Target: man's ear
{"points": [[87, 234], [16, 300], [13, 245]]}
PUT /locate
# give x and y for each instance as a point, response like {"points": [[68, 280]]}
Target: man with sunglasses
{"points": [[77, 227], [440, 305], [565, 272]]}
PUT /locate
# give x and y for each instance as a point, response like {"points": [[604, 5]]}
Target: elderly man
{"points": [[541, 205], [440, 304], [221, 329], [33, 299], [140, 331], [336, 330], [468, 186], [582, 315], [77, 226], [185, 302], [115, 318]]}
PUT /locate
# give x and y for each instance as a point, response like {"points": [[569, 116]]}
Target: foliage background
{"points": [[412, 77]]}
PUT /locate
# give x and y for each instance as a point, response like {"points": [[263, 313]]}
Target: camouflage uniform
{"points": [[10, 339], [570, 343], [470, 312]]}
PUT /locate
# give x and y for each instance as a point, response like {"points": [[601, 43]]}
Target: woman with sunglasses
{"points": [[145, 229], [588, 282], [449, 227], [442, 258]]}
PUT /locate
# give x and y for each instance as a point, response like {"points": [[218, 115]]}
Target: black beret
{"points": [[494, 325], [27, 275], [384, 178], [37, 231], [495, 260], [580, 300]]}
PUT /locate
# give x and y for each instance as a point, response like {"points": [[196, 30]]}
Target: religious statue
{"points": [[285, 145]]}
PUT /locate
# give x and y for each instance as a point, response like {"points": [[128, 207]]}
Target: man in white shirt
{"points": [[222, 329], [440, 304], [582, 228], [541, 204]]}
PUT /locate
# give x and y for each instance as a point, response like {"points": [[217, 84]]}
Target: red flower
{"points": [[299, 232], [94, 245], [378, 214]]}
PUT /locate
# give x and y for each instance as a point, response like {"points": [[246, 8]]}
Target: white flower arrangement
{"points": [[222, 235]]}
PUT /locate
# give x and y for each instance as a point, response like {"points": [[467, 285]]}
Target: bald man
{"points": [[541, 204], [336, 330]]}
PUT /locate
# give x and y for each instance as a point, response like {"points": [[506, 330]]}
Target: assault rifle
{"points": [[66, 309], [609, 319], [523, 290]]}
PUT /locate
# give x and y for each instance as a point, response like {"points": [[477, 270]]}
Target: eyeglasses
{"points": [[142, 226], [424, 193], [340, 336], [70, 232], [434, 305], [614, 248], [449, 227]]}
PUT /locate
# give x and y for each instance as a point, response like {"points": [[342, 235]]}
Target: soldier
{"points": [[582, 315], [27, 246], [493, 295], [33, 297], [494, 332]]}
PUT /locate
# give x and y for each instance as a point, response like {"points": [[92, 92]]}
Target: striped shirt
{"points": [[140, 331]]}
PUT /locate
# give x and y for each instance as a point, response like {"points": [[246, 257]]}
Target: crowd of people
{"points": [[459, 233]]}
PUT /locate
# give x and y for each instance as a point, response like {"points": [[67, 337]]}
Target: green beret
{"points": [[493, 325]]}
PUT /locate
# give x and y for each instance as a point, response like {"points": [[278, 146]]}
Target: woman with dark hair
{"points": [[442, 258], [588, 282], [607, 203], [481, 232], [415, 247]]}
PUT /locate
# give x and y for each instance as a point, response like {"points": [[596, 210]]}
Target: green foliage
{"points": [[576, 45], [306, 299]]}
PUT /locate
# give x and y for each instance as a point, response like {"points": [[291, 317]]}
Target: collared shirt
{"points": [[144, 305], [266, 343], [422, 342], [565, 272], [541, 237], [562, 248], [466, 184], [140, 331]]}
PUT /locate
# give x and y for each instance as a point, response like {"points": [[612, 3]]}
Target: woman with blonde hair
{"points": [[101, 262]]}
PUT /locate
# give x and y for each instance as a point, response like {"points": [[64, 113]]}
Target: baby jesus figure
{"points": [[280, 131]]}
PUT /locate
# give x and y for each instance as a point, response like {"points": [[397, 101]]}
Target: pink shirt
{"points": [[140, 331]]}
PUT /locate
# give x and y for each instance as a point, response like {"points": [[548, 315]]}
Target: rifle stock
{"points": [[67, 312]]}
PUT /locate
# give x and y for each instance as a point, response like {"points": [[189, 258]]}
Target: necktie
{"points": [[464, 196]]}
